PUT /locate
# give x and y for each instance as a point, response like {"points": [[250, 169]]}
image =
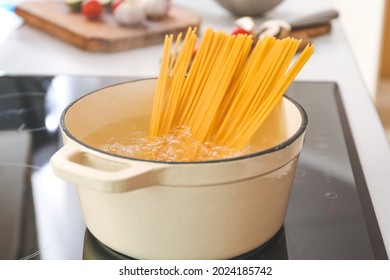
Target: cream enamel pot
{"points": [[182, 210]]}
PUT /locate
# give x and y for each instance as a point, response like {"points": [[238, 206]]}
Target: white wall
{"points": [[362, 21]]}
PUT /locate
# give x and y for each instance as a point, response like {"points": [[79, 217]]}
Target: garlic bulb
{"points": [[156, 9], [130, 12]]}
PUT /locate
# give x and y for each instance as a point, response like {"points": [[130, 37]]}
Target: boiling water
{"points": [[128, 138]]}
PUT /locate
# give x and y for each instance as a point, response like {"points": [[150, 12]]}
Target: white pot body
{"points": [[155, 210]]}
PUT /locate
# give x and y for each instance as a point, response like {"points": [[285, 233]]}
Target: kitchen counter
{"points": [[30, 51]]}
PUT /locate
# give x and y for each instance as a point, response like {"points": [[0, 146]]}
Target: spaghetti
{"points": [[228, 90]]}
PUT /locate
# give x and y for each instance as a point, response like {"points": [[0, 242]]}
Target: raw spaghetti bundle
{"points": [[209, 106], [227, 91]]}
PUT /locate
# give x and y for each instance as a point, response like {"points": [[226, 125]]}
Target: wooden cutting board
{"points": [[103, 35]]}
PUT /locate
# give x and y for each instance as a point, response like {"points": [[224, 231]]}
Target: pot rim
{"points": [[300, 131]]}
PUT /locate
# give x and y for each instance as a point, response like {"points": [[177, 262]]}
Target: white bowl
{"points": [[248, 7]]}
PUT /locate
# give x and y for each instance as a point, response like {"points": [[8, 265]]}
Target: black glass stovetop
{"points": [[330, 215]]}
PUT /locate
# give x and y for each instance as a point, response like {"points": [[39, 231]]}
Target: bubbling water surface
{"points": [[179, 145]]}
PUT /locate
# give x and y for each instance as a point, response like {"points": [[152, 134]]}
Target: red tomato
{"points": [[239, 30], [115, 4], [92, 9]]}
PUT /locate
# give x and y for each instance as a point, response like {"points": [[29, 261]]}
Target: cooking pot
{"points": [[215, 209]]}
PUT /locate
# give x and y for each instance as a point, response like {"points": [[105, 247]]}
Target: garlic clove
{"points": [[156, 9], [129, 12], [246, 23]]}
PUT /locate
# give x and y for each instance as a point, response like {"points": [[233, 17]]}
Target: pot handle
{"points": [[101, 173]]}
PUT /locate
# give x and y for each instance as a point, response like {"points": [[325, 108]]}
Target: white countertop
{"points": [[30, 51]]}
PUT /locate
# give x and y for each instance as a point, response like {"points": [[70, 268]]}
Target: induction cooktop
{"points": [[330, 214]]}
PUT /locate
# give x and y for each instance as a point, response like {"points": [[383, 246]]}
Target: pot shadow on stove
{"points": [[273, 249]]}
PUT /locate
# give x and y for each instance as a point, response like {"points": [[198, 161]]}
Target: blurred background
{"points": [[367, 26]]}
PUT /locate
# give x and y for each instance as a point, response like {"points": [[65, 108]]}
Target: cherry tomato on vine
{"points": [[92, 9]]}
